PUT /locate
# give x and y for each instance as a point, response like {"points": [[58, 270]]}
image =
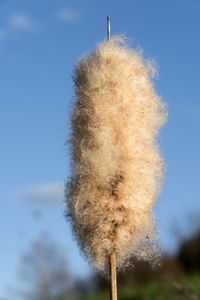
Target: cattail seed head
{"points": [[117, 167]]}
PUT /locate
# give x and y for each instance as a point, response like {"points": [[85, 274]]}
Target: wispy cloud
{"points": [[17, 22], [47, 193], [68, 15], [22, 21]]}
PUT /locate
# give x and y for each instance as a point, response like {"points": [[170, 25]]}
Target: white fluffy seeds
{"points": [[117, 167]]}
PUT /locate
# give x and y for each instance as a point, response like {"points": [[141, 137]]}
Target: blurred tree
{"points": [[189, 254], [45, 270]]}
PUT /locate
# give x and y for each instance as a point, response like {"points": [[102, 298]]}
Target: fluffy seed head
{"points": [[117, 168]]}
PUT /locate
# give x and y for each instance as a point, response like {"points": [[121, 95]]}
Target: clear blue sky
{"points": [[40, 41]]}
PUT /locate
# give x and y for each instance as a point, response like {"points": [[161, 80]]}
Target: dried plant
{"points": [[117, 167]]}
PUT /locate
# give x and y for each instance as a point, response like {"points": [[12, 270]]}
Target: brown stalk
{"points": [[113, 277]]}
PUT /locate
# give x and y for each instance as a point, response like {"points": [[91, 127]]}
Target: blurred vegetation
{"points": [[187, 288], [189, 254], [177, 277], [44, 271]]}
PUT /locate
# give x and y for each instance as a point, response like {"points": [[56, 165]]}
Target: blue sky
{"points": [[40, 41]]}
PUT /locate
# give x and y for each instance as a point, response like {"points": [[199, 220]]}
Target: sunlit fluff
{"points": [[117, 169]]}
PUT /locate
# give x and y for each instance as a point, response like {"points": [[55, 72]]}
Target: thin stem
{"points": [[113, 277], [108, 27]]}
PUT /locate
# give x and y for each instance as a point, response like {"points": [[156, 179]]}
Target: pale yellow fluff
{"points": [[117, 167]]}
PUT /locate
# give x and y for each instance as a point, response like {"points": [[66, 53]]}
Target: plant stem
{"points": [[113, 277], [108, 27]]}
